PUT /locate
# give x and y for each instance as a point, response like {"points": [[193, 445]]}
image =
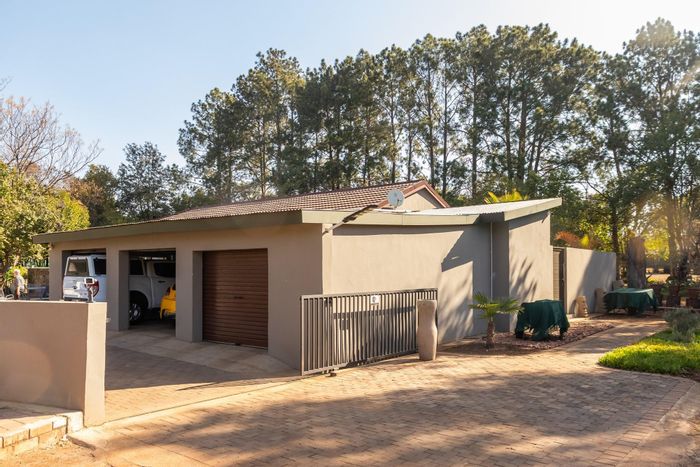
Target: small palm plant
{"points": [[492, 307]]}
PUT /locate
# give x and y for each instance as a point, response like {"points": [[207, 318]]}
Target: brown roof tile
{"points": [[349, 199]]}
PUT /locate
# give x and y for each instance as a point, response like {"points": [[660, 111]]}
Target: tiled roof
{"points": [[349, 199]]}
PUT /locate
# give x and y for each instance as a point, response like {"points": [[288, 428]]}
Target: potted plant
{"points": [[492, 307]]}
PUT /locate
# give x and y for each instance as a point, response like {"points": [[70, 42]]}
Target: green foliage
{"points": [[492, 307], [513, 195], [26, 209], [517, 110], [657, 354], [684, 324], [570, 239], [146, 187], [97, 190]]}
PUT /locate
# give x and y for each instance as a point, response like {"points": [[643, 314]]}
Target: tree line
{"points": [[616, 136]]}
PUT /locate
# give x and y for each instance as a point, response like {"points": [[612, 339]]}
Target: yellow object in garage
{"points": [[167, 303]]}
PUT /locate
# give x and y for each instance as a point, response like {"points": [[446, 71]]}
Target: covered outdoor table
{"points": [[632, 300], [540, 316]]}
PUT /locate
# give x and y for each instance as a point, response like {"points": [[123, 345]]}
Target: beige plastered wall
{"points": [[294, 268], [419, 201], [530, 258], [522, 262], [585, 271], [455, 260], [53, 353]]}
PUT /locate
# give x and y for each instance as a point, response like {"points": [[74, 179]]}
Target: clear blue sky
{"points": [[128, 71]]}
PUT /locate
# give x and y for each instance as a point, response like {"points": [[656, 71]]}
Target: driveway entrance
{"points": [[148, 370]]}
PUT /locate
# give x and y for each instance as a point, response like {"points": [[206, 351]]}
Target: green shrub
{"points": [[683, 323], [657, 354]]}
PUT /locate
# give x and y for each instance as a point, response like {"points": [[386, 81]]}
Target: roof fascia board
{"points": [[175, 226], [529, 210], [385, 218]]}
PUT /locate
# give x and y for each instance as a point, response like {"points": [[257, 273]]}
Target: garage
{"points": [[241, 268], [235, 297]]}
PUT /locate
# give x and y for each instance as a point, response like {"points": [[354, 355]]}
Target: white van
{"points": [[81, 267], [149, 279]]}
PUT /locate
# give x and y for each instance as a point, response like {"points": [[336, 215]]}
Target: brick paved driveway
{"points": [[149, 370], [553, 407]]}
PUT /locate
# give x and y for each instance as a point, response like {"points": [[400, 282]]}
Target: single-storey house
{"points": [[241, 268]]}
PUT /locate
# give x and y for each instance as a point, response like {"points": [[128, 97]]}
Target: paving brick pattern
{"points": [[138, 383], [147, 369], [556, 407], [25, 427]]}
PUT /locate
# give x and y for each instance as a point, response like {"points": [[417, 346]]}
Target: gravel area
{"points": [[577, 331], [506, 342]]}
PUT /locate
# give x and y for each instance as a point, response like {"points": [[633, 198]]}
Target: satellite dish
{"points": [[395, 198]]}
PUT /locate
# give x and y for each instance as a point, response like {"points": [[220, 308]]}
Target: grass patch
{"points": [[657, 354]]}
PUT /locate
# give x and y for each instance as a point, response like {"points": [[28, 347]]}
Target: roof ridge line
{"points": [[276, 198]]}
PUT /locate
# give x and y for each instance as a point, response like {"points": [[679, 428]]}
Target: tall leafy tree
{"points": [[97, 191], [663, 96], [144, 183], [35, 143], [392, 89], [27, 209], [425, 62], [475, 75]]}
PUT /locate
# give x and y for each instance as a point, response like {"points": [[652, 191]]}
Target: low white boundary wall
{"points": [[53, 353]]}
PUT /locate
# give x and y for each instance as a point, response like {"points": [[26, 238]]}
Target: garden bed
{"points": [[658, 354], [508, 344]]}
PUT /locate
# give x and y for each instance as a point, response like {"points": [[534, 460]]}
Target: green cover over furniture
{"points": [[632, 300], [541, 316]]}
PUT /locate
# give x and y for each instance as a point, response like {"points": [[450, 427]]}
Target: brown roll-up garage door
{"points": [[234, 302]]}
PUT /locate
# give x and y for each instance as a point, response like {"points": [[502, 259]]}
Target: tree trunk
{"points": [[636, 263], [445, 113], [490, 334], [673, 253], [394, 147], [475, 157], [615, 233], [522, 136]]}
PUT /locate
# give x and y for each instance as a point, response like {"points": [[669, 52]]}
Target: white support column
{"points": [[117, 289]]}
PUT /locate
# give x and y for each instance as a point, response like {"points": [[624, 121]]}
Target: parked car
{"points": [[82, 267], [149, 280], [167, 303]]}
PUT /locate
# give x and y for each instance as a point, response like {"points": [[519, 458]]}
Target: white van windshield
{"points": [[77, 267]]}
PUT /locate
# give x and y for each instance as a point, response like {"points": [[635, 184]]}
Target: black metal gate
{"points": [[345, 329]]}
